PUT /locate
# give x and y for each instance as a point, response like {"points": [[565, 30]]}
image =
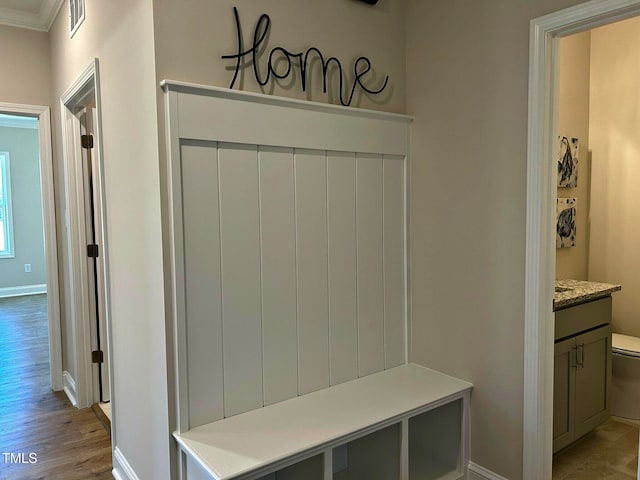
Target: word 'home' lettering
{"points": [[286, 61]]}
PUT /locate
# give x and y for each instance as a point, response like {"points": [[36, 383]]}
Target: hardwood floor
{"points": [[68, 443]]}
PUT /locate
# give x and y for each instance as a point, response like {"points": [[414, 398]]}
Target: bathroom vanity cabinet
{"points": [[582, 370]]}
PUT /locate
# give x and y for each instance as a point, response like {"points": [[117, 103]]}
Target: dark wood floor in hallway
{"points": [[68, 443]]}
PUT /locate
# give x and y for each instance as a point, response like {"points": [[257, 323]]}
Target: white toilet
{"points": [[625, 381]]}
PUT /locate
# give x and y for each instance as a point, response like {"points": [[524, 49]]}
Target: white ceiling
{"points": [[32, 14]]}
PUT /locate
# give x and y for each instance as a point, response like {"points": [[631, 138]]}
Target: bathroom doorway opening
{"points": [[541, 218]]}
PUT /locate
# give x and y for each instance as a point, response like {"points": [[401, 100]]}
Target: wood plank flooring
{"points": [[69, 443]]}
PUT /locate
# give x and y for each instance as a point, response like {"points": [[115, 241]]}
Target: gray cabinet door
{"points": [[592, 379], [563, 393]]}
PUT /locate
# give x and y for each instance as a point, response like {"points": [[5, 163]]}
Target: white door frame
{"points": [[43, 114], [80, 306], [541, 217]]}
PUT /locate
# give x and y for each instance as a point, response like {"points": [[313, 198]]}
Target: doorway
{"points": [[25, 114], [87, 246], [87, 119], [541, 218]]}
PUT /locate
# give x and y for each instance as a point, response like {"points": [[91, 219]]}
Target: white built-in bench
{"points": [[289, 251], [408, 422]]}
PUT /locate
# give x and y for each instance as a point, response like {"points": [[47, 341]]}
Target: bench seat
{"points": [[258, 442]]}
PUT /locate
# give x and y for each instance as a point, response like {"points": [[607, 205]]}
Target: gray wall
{"points": [[27, 52], [120, 34], [467, 85], [24, 157]]}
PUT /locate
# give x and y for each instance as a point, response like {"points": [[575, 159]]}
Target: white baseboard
{"points": [[121, 468], [476, 472], [23, 290], [70, 387]]}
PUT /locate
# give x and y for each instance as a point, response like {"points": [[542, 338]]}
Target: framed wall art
{"points": [[568, 162], [566, 223]]}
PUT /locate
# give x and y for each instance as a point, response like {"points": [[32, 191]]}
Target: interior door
{"points": [[95, 262]]}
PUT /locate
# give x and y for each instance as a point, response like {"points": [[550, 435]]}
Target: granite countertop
{"points": [[573, 292]]}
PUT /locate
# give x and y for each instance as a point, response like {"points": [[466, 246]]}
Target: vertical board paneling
{"points": [[394, 274], [241, 302], [202, 282], [278, 240], [341, 201], [370, 264], [311, 232]]}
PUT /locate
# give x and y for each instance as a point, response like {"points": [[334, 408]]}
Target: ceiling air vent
{"points": [[76, 15]]}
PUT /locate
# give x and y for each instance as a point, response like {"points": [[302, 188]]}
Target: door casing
{"points": [[540, 219], [43, 114], [86, 85]]}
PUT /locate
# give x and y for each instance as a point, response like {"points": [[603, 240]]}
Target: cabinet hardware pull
{"points": [[581, 355], [574, 357]]}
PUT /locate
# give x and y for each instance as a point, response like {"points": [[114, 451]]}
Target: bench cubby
{"points": [[375, 456], [435, 450]]}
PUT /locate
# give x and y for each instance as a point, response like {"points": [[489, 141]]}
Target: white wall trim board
{"points": [[122, 470], [70, 388], [540, 219], [23, 290], [476, 472], [50, 231], [207, 90]]}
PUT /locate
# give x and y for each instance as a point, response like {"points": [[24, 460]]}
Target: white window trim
{"points": [[8, 224]]}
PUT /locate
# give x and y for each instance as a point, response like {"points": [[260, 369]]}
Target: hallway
{"points": [[36, 423]]}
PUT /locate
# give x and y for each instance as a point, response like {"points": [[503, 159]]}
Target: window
{"points": [[6, 224]]}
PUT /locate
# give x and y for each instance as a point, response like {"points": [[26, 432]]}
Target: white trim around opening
{"points": [[541, 193], [43, 115], [87, 83]]}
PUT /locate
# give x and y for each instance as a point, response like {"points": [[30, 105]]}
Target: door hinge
{"points": [[86, 141], [97, 356], [92, 250]]}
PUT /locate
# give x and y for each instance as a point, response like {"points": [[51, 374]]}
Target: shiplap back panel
{"points": [[203, 283], [289, 263], [279, 303], [312, 261], [343, 313]]}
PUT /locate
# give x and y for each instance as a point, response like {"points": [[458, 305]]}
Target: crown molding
{"points": [[40, 21]]}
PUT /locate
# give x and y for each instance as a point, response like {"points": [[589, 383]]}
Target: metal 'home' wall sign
{"points": [[287, 61]]}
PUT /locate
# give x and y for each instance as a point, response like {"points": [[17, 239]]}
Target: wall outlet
{"points": [[27, 268]]}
